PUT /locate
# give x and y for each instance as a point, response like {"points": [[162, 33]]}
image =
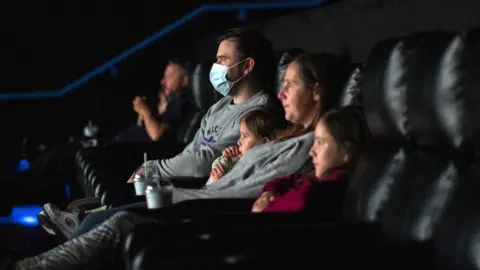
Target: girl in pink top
{"points": [[340, 137]]}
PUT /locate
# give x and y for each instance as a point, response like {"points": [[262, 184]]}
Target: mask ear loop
{"points": [[237, 65], [234, 65]]}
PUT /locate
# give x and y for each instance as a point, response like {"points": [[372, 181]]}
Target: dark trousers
{"points": [[91, 220], [192, 207]]}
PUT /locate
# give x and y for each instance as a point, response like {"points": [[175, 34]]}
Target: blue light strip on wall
{"points": [[25, 215], [156, 36]]}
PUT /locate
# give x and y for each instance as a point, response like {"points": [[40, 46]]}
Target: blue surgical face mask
{"points": [[218, 78]]}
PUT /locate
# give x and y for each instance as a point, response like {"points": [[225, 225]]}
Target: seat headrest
{"points": [[457, 95], [203, 94], [286, 58], [351, 94], [383, 91], [423, 88], [421, 55]]}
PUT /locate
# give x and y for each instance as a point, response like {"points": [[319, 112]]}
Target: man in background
{"points": [[173, 106]]}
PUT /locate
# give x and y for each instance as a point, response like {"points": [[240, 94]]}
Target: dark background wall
{"points": [[48, 44], [354, 26]]}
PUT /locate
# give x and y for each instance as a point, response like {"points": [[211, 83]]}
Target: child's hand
{"points": [[231, 151], [262, 202], [217, 172]]}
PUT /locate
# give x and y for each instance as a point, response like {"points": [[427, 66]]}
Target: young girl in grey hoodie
{"points": [[256, 128]]}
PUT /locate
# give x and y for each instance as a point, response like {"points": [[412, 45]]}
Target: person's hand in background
{"points": [[140, 106]]}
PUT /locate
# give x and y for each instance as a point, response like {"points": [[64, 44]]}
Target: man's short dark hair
{"points": [[251, 43]]}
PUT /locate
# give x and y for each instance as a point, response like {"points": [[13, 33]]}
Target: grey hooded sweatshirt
{"points": [[220, 128], [258, 166]]}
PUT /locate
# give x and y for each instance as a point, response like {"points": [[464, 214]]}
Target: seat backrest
{"points": [[429, 177], [457, 96], [203, 96], [203, 93], [372, 181], [383, 92], [419, 195], [371, 184], [457, 238], [422, 55], [351, 93], [403, 186], [433, 194]]}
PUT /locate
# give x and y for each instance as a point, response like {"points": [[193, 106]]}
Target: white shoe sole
{"points": [[42, 219], [56, 227]]}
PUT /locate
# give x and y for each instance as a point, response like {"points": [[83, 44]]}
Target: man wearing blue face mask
{"points": [[245, 73]]}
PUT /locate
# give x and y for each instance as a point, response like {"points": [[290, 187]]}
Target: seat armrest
{"points": [[189, 182], [126, 200], [332, 239]]}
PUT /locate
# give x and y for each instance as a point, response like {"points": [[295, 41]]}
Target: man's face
{"points": [[227, 56], [173, 79]]}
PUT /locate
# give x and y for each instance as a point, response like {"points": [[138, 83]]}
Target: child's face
{"points": [[247, 139], [325, 152]]}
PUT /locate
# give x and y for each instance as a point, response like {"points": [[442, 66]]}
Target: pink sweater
{"points": [[299, 192]]}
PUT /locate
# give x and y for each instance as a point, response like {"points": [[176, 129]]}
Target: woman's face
{"points": [[326, 153], [298, 101]]}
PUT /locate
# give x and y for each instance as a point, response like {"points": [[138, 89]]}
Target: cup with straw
{"points": [[140, 179], [148, 172], [145, 164]]}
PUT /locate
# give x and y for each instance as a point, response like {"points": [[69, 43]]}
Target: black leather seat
{"points": [[415, 190], [352, 94], [409, 202], [457, 238], [102, 171], [204, 96]]}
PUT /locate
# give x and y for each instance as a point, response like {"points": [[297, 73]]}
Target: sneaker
{"points": [[43, 220], [63, 223]]}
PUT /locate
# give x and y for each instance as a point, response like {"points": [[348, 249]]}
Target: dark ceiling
{"points": [[51, 43]]}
